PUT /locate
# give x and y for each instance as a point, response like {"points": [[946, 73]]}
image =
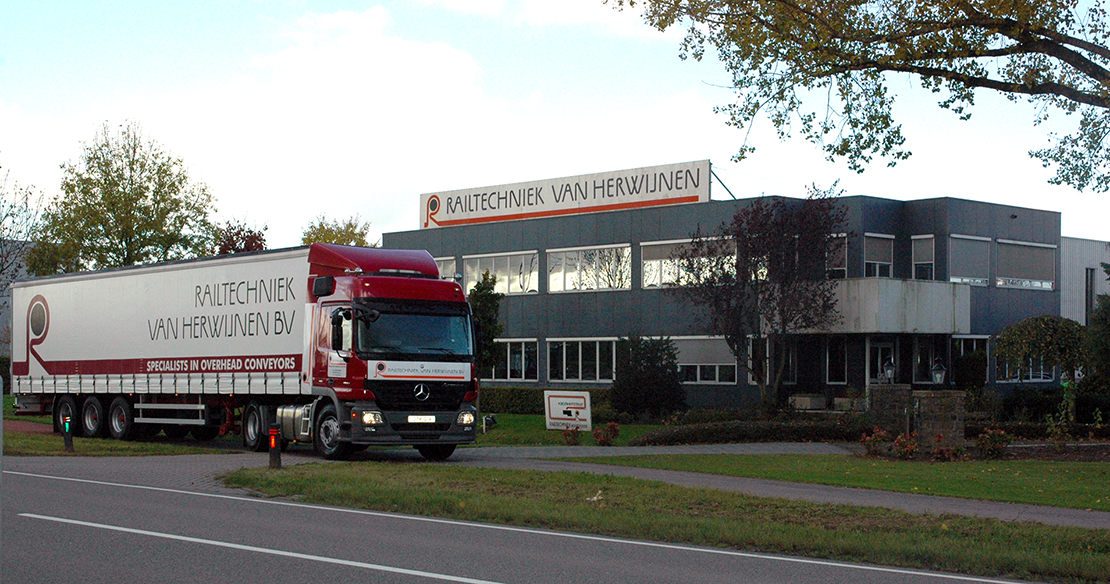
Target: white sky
{"points": [[295, 108]]}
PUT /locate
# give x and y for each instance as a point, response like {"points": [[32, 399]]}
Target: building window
{"points": [[878, 255], [1088, 295], [836, 261], [446, 268], [517, 361], [926, 351], [923, 257], [788, 352], [659, 269], [1026, 265], [1033, 371], [516, 273], [879, 354], [600, 268], [969, 260], [836, 360], [585, 360], [724, 373], [969, 359]]}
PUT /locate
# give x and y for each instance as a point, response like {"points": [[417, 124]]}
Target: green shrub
{"points": [[839, 430], [647, 379], [512, 400]]}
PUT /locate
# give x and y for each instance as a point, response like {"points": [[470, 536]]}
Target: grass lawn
{"points": [[1079, 485], [624, 507], [17, 444], [530, 430]]}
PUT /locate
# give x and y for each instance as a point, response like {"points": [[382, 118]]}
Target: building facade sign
{"points": [[671, 184]]}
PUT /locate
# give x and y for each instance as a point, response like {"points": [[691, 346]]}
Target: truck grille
{"points": [[401, 396]]}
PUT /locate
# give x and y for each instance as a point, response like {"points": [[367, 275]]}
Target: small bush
{"points": [[572, 436], [606, 435], [873, 443], [905, 447], [992, 443]]}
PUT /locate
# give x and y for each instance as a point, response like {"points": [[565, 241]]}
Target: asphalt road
{"points": [[163, 519]]}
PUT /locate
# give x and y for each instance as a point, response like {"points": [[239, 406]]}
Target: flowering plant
{"points": [[905, 447], [605, 436], [873, 442]]}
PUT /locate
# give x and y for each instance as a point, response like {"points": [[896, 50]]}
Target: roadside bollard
{"points": [[67, 434], [275, 445]]}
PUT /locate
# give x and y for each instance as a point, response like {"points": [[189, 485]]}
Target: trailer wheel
{"points": [[93, 418], [326, 439], [436, 452], [254, 428], [121, 419], [67, 407]]}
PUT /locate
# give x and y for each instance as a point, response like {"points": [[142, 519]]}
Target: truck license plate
{"points": [[422, 419]]}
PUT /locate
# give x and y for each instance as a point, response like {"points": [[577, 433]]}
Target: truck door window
{"points": [[341, 330]]}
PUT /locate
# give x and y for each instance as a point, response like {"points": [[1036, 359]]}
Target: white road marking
{"points": [[565, 535], [272, 552]]}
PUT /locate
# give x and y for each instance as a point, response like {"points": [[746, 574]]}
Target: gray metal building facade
{"points": [[922, 280]]}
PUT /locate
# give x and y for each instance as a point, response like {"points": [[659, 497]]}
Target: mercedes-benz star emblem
{"points": [[422, 392]]}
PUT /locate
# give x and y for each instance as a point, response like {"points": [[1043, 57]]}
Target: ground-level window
{"points": [[517, 361], [836, 360], [969, 361], [764, 359], [707, 373], [581, 360], [926, 351], [1033, 371], [879, 354]]}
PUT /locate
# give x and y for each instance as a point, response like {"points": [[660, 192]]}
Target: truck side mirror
{"points": [[323, 286], [340, 319]]}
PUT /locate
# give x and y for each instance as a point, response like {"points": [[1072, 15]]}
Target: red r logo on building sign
{"points": [[432, 209]]}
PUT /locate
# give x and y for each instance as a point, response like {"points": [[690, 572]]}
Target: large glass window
{"points": [[584, 360], [969, 260], [517, 361], [384, 328], [880, 354], [516, 273], [707, 373], [923, 257], [1026, 265], [659, 269], [1034, 370], [878, 256], [601, 268], [926, 351]]}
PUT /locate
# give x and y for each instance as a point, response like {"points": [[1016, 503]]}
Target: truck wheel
{"points": [[121, 419], [67, 407], [254, 430], [436, 452], [93, 418], [204, 433], [326, 439]]}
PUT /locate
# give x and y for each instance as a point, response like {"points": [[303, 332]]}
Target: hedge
{"points": [[840, 430], [529, 400]]}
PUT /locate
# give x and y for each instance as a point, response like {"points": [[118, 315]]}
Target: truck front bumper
{"points": [[370, 426]]}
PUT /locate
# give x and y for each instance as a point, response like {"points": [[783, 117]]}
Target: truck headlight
{"points": [[372, 419], [465, 418]]}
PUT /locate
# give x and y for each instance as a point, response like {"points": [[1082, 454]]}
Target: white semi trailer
{"points": [[344, 347]]}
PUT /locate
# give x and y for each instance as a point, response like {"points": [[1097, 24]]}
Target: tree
{"points": [[19, 219], [843, 53], [762, 277], [237, 237], [486, 306], [125, 202], [1042, 341], [646, 380], [350, 231]]}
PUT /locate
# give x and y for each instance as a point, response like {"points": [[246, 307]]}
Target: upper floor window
{"points": [[516, 273], [659, 269], [446, 268], [969, 259], [596, 268], [923, 257], [1024, 264], [878, 252], [836, 261]]}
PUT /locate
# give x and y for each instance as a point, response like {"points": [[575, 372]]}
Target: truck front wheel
{"points": [[326, 439], [121, 419], [93, 417]]}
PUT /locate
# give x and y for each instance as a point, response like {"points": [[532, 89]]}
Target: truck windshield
{"points": [[415, 334]]}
